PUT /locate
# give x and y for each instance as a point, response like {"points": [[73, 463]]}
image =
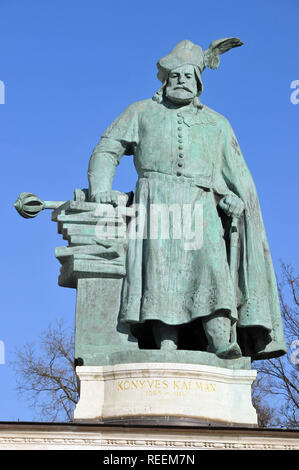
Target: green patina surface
{"points": [[141, 295], [187, 154]]}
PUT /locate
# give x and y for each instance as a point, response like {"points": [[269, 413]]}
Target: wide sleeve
{"points": [[121, 138]]}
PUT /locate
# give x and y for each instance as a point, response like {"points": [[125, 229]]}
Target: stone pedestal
{"points": [[149, 392]]}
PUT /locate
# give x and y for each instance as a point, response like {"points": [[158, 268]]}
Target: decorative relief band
{"points": [[39, 442]]}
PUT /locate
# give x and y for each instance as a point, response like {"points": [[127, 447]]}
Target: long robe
{"points": [[191, 156]]}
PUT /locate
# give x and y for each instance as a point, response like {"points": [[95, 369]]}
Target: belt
{"points": [[203, 181]]}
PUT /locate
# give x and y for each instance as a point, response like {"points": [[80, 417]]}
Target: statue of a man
{"points": [[187, 154]]}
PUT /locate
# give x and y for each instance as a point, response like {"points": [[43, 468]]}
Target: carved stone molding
{"points": [[79, 436]]}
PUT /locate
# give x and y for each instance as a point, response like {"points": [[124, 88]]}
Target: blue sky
{"points": [[70, 68]]}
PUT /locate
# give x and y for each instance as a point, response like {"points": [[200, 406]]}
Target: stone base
{"points": [[181, 393]]}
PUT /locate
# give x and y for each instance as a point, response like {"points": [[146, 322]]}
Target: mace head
{"points": [[28, 205]]}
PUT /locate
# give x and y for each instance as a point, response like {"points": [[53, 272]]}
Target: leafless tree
{"points": [[46, 374], [278, 379], [267, 415]]}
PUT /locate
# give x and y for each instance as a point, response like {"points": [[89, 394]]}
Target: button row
{"points": [[180, 142]]}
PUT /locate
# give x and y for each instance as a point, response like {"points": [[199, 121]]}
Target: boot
{"points": [[217, 328]]}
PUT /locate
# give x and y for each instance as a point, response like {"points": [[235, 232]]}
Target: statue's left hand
{"points": [[232, 205]]}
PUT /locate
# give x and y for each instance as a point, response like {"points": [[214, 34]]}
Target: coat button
{"points": [[179, 173], [180, 164]]}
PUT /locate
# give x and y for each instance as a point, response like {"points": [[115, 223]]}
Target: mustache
{"points": [[182, 88]]}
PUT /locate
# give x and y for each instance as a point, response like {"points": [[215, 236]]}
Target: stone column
{"points": [[94, 264]]}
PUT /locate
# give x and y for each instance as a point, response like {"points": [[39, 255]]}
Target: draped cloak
{"points": [[191, 156]]}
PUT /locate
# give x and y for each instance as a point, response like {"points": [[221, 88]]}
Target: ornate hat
{"points": [[185, 52]]}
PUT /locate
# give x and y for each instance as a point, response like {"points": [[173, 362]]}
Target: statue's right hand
{"points": [[105, 197]]}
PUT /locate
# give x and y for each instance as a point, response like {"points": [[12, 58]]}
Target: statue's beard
{"points": [[179, 95]]}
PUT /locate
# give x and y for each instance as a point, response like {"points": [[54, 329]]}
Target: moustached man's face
{"points": [[182, 84]]}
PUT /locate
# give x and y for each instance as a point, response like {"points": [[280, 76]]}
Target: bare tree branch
{"points": [[279, 378], [46, 373]]}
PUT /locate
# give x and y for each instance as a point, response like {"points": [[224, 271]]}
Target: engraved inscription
{"points": [[159, 386]]}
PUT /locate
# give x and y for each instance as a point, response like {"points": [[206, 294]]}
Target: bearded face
{"points": [[182, 85]]}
